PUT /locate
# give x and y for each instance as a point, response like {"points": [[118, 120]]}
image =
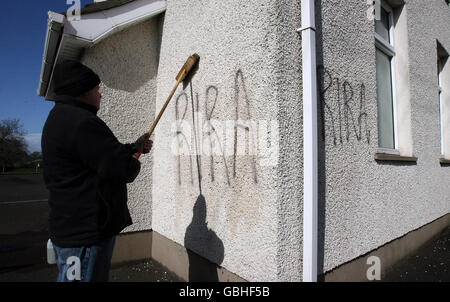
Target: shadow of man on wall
{"points": [[199, 240]]}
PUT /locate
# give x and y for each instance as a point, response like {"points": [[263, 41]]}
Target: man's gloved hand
{"points": [[143, 144]]}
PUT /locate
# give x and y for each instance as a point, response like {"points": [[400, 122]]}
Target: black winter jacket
{"points": [[86, 170]]}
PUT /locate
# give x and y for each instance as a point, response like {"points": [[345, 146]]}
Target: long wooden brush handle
{"points": [[150, 132], [184, 71]]}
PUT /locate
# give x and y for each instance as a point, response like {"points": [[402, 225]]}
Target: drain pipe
{"points": [[310, 144]]}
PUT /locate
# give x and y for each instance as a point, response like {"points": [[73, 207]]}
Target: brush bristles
{"points": [[187, 67], [191, 61]]}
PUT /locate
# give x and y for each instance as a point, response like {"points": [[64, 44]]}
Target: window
{"points": [[385, 54], [441, 60]]}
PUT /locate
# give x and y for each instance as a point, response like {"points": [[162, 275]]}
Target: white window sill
{"points": [[392, 155], [388, 151], [444, 161]]}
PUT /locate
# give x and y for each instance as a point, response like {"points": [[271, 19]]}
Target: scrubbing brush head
{"points": [[187, 67]]}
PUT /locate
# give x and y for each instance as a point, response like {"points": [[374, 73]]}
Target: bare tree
{"points": [[12, 144]]}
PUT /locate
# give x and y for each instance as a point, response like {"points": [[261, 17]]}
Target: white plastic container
{"points": [[51, 259]]}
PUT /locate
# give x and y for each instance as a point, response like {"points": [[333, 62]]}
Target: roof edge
{"points": [[55, 24], [67, 39]]}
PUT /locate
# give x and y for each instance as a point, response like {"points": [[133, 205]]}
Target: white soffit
{"points": [[94, 27]]}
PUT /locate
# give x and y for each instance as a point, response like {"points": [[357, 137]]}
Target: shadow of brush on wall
{"points": [[199, 240]]}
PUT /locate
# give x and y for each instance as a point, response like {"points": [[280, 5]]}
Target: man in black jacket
{"points": [[86, 170]]}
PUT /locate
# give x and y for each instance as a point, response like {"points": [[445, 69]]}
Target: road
{"points": [[23, 220], [22, 187]]}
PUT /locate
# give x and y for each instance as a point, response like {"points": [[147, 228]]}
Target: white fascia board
{"points": [[94, 27], [55, 17], [54, 27]]}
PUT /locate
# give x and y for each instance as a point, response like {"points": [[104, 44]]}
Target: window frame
{"points": [[388, 48], [441, 101], [442, 62]]}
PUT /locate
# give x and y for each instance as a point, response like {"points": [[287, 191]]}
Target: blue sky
{"points": [[23, 27]]}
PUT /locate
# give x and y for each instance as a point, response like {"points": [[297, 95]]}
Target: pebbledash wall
{"points": [[127, 64], [248, 71], [367, 202], [243, 212]]}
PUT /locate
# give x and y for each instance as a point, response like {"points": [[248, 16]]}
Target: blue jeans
{"points": [[86, 263]]}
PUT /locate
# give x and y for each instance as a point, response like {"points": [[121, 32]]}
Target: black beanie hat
{"points": [[73, 78]]}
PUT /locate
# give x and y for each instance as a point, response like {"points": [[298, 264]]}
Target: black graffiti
{"points": [[239, 81], [337, 108], [211, 99], [179, 133]]}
